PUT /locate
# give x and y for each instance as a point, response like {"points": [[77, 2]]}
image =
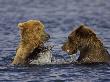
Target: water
{"points": [[59, 17]]}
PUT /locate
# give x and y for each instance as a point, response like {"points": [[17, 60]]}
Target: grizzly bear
{"points": [[32, 39], [91, 48]]}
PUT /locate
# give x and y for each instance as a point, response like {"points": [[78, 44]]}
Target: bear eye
{"points": [[69, 38]]}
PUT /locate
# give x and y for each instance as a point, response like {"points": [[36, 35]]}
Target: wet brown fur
{"points": [[91, 48], [32, 35]]}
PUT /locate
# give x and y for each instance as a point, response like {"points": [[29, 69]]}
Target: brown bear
{"points": [[91, 48], [32, 39]]}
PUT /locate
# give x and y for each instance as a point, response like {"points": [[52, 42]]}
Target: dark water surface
{"points": [[59, 17]]}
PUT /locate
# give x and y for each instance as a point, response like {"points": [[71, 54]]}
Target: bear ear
{"points": [[81, 26], [39, 26], [84, 31], [20, 25], [81, 29]]}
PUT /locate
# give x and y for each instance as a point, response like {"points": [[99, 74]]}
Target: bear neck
{"points": [[93, 53]]}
